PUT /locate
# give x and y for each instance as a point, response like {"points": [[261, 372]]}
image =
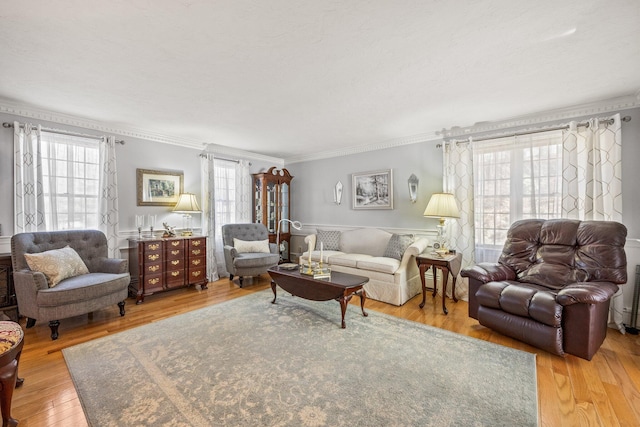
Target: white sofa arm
{"points": [[310, 239], [415, 249]]}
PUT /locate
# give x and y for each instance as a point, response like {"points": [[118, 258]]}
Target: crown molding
{"points": [[235, 154], [391, 143], [600, 107]]}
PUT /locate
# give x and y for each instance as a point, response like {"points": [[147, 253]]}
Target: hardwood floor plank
{"points": [[571, 391]]}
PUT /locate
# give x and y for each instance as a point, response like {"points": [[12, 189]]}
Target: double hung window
{"points": [[70, 181], [515, 178]]}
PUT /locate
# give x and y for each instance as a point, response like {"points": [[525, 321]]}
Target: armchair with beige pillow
{"points": [[247, 251], [61, 274]]}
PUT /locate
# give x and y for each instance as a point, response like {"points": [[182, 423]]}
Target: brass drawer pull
{"points": [[175, 252], [196, 243], [154, 257], [195, 251], [154, 246], [154, 267], [176, 262], [175, 273], [153, 281], [195, 273], [176, 243], [195, 262]]}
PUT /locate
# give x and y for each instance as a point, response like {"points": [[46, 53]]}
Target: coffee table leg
{"points": [[363, 297], [273, 288], [344, 301]]}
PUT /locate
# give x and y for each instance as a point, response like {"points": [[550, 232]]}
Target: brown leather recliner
{"points": [[552, 284]]}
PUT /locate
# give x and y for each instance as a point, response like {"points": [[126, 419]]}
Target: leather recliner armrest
{"points": [[586, 293], [489, 272]]}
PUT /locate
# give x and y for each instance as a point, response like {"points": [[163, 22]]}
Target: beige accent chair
{"points": [[106, 283]]}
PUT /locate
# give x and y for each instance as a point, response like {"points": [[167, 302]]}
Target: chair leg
{"points": [[30, 322], [54, 329], [240, 280], [121, 305], [230, 277]]}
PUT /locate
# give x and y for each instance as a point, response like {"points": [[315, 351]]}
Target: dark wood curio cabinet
{"points": [[272, 203]]}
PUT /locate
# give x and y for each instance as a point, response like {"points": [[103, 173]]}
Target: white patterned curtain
{"points": [[209, 214], [592, 182], [29, 211], [244, 192], [458, 180], [108, 202]]}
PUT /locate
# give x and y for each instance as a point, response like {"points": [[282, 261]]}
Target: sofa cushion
{"points": [[369, 241], [247, 246], [397, 245], [381, 264], [329, 238], [315, 255], [57, 264], [534, 302], [347, 260]]}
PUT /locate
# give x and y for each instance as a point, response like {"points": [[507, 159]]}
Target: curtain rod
{"points": [[221, 158], [8, 125], [531, 132]]}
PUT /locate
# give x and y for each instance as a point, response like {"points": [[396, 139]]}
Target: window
{"points": [[70, 178], [225, 192], [514, 178]]}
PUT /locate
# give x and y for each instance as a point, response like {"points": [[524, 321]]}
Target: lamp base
{"points": [[186, 233]]}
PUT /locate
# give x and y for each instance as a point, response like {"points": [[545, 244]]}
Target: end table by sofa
{"points": [[446, 263]]}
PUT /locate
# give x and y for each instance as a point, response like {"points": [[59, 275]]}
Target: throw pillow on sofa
{"points": [[57, 264], [330, 240], [397, 245]]}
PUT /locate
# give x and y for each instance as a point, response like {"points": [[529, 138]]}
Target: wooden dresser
{"points": [[162, 264]]}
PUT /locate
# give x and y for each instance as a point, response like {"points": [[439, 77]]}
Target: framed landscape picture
{"points": [[158, 188], [373, 190]]}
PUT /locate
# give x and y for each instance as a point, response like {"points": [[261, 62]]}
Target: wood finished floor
{"points": [[571, 391]]}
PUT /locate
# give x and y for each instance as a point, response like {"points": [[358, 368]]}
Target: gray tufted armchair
{"points": [[247, 263], [106, 283]]}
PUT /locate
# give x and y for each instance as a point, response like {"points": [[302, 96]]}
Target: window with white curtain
{"points": [[70, 178], [514, 178], [225, 191]]}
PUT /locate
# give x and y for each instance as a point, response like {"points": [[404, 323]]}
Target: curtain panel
{"points": [[108, 202], [29, 210]]}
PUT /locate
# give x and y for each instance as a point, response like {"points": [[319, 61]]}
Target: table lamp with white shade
{"points": [[187, 204], [442, 206]]}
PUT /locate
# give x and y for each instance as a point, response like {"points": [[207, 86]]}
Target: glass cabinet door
{"points": [[257, 200], [272, 195], [284, 207]]}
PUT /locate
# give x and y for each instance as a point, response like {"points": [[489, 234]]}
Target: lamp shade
{"points": [[187, 203], [442, 205]]}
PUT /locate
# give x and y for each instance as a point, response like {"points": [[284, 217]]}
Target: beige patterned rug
{"points": [[248, 362]]}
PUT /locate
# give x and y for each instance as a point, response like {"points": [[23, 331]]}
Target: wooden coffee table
{"points": [[340, 287]]}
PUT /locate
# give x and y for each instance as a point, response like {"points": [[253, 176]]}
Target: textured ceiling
{"points": [[289, 77]]}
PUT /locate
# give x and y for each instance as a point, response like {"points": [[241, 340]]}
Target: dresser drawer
{"points": [[196, 275], [174, 244], [174, 278], [174, 253], [152, 247], [151, 268], [196, 262], [174, 264], [153, 283], [200, 242]]}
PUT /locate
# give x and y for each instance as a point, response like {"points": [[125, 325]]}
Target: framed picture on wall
{"points": [[158, 188], [373, 190]]}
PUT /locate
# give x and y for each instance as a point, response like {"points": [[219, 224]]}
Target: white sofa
{"points": [[393, 279]]}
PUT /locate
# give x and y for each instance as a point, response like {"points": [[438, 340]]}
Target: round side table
{"points": [[11, 341]]}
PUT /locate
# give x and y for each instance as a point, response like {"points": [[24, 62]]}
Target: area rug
{"points": [[247, 362]]}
